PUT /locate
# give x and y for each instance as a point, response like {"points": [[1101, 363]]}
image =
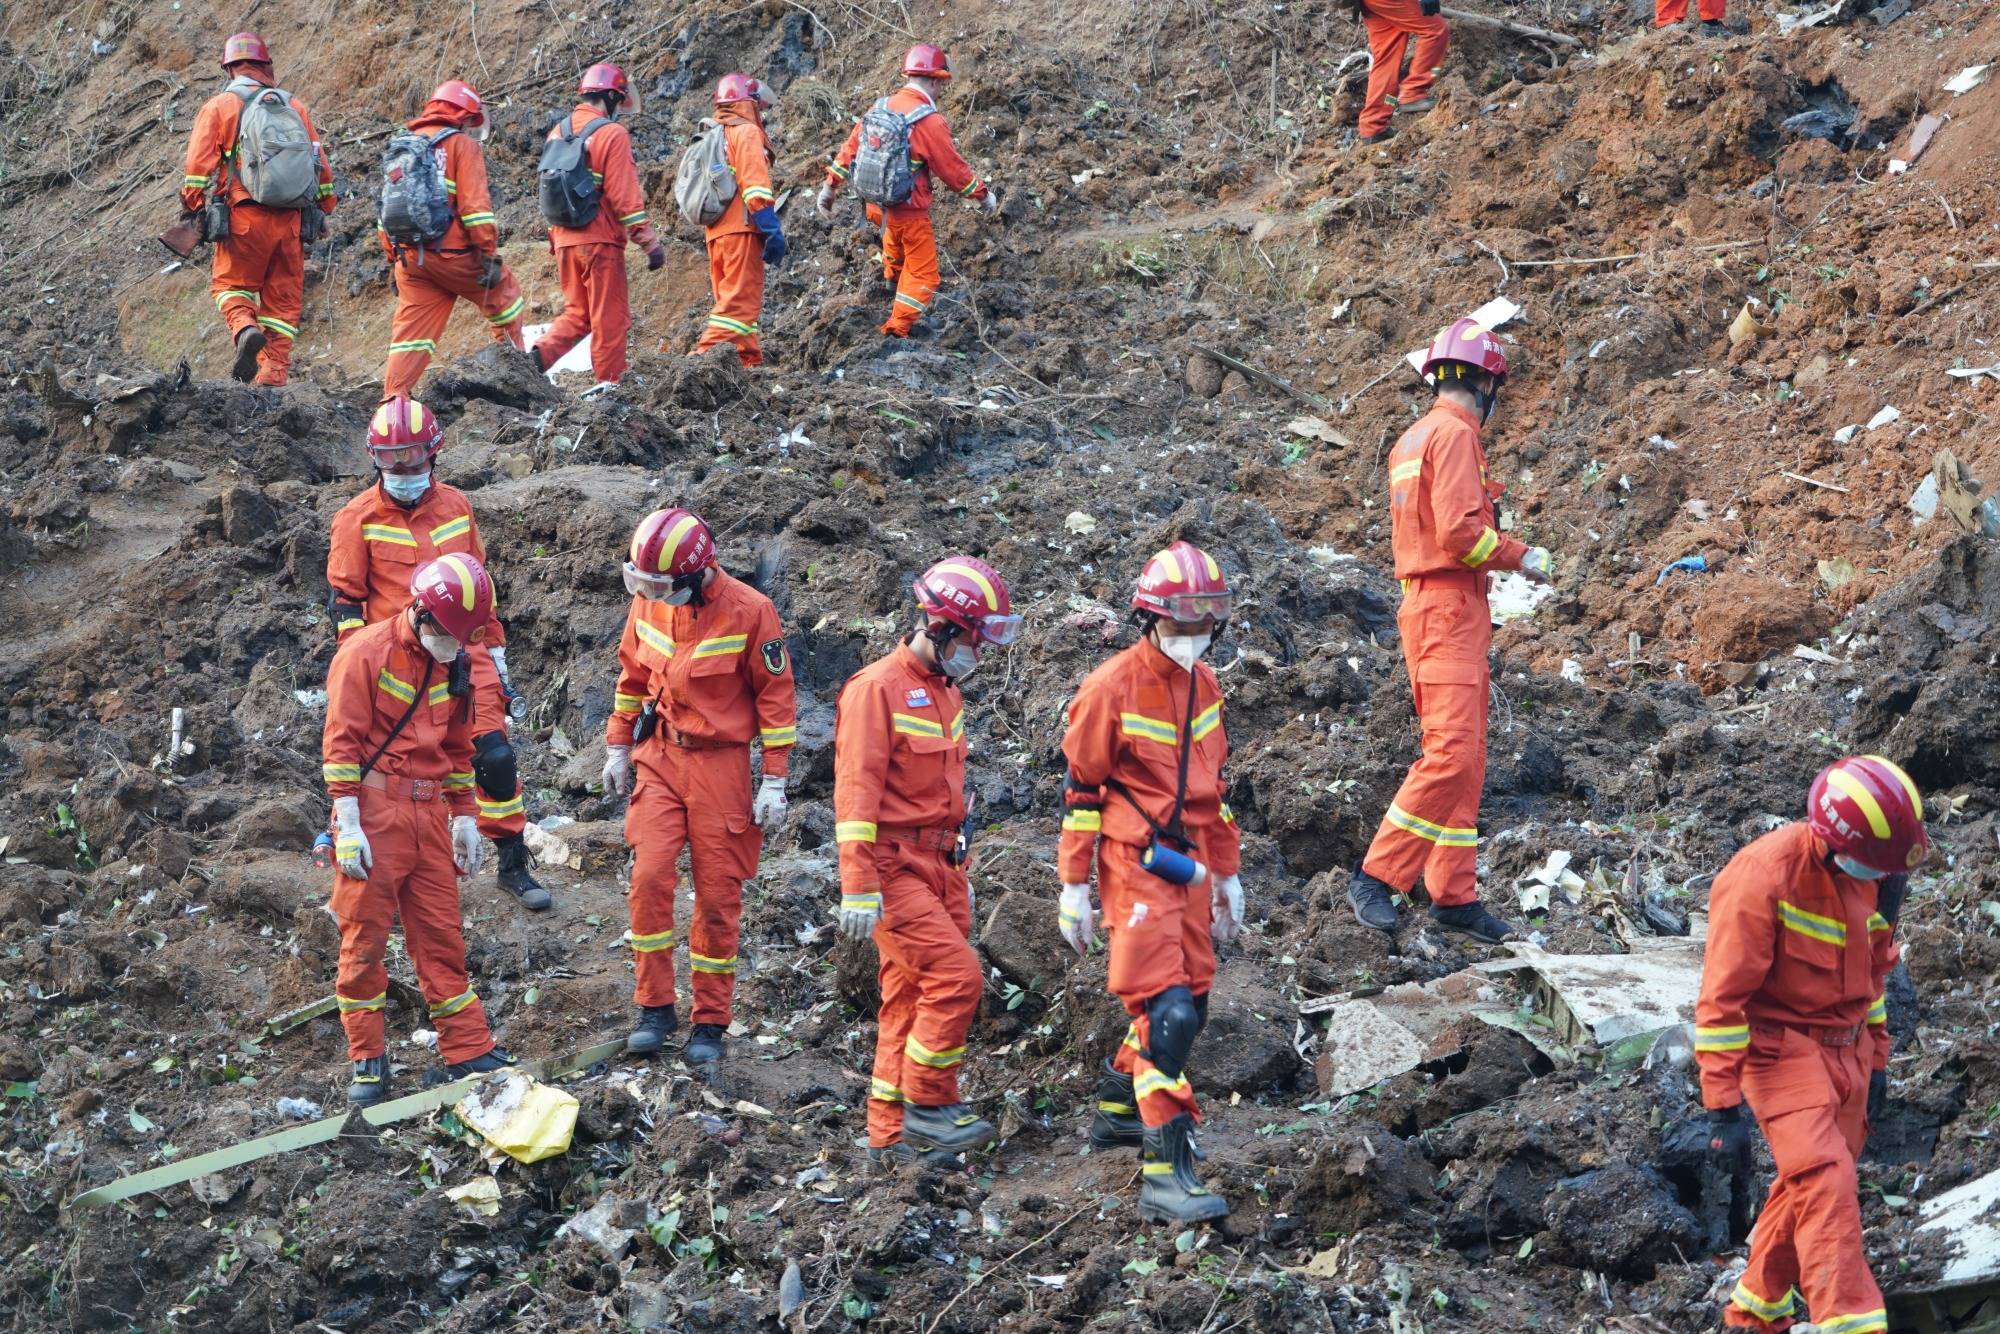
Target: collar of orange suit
{"points": [[734, 111], [1159, 663], [688, 615], [440, 116], [1464, 414], [907, 659], [407, 638]]}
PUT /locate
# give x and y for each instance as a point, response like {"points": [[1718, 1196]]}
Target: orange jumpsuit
{"points": [[430, 281], [1666, 13], [898, 803], [259, 271], [735, 246], [377, 674], [720, 676], [1791, 1018], [1391, 25], [909, 245], [591, 260], [1125, 729], [1445, 533], [375, 548]]}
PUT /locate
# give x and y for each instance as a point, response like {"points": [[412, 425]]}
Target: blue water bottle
{"points": [[322, 853]]}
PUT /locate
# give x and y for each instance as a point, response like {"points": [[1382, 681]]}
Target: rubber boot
{"points": [[892, 1157], [1473, 919], [1169, 1191], [1117, 1124], [952, 1128], [704, 1045], [369, 1083], [1373, 901], [517, 879], [1381, 136], [484, 1064], [1715, 28], [249, 342], [655, 1022]]}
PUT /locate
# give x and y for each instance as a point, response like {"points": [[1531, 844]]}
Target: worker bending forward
{"points": [[1791, 1018], [397, 759], [899, 807], [748, 235], [1145, 747], [702, 671]]}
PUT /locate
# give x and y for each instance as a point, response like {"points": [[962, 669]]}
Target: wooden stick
{"points": [[1508, 25], [1263, 377], [1620, 259], [1810, 481]]}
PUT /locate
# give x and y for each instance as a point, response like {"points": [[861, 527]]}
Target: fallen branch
{"points": [[1263, 377], [1620, 259], [1812, 481], [1508, 25]]}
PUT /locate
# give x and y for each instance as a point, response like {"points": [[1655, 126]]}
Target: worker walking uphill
{"points": [[397, 759], [891, 154], [592, 202], [438, 229], [1792, 1018], [1667, 13], [406, 520], [748, 235], [1393, 25], [899, 810], [702, 672], [1445, 533], [261, 181], [1144, 798]]}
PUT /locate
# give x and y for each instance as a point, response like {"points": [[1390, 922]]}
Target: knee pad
{"points": [[1172, 1021], [493, 765]]}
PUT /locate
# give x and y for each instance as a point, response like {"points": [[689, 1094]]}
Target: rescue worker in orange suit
{"points": [[408, 519], [397, 759], [909, 244], [1392, 26], [259, 274], [591, 260], [702, 672], [748, 235], [1666, 13], [1446, 537], [465, 262], [1792, 1020], [1144, 799], [899, 813]]}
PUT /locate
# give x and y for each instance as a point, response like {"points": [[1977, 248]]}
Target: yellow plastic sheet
{"points": [[520, 1116]]}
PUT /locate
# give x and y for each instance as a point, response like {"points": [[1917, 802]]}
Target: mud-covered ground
{"points": [[162, 537]]}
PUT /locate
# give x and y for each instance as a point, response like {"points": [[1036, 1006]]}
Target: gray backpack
{"points": [[274, 157], [416, 207], [882, 171], [704, 183]]}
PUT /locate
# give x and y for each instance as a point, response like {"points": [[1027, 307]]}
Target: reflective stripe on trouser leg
{"points": [[284, 293], [610, 311], [655, 830], [1433, 37], [892, 1030], [915, 247], [717, 785], [736, 277], [1160, 938], [429, 906], [423, 308], [364, 910], [922, 933]]}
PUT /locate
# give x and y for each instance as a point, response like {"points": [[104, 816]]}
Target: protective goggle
{"points": [[999, 631], [400, 458], [1188, 608], [673, 589]]}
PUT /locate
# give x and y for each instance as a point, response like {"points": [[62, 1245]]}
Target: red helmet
{"points": [[457, 593], [1866, 808], [1183, 583], [608, 78], [967, 592], [404, 435], [670, 549], [245, 46], [1465, 344], [740, 87], [926, 61]]}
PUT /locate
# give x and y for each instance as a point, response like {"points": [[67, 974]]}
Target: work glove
{"points": [[350, 845], [465, 844], [1076, 917], [770, 803], [1228, 919], [992, 200], [1878, 1096], [618, 771], [656, 256], [1429, 8], [859, 913], [774, 249], [1539, 565], [823, 203], [490, 269], [1729, 1139], [766, 221]]}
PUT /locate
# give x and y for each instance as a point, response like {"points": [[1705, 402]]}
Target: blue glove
{"points": [[766, 221]]}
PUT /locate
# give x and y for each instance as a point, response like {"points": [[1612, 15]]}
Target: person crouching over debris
{"points": [[1792, 1018], [899, 814], [1143, 797], [1445, 535], [702, 671], [406, 519], [397, 759]]}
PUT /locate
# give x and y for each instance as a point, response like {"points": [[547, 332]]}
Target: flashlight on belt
{"points": [[517, 707]]}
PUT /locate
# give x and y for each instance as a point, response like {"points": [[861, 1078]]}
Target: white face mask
{"points": [[958, 661], [407, 487], [441, 647], [1848, 866], [1184, 649]]}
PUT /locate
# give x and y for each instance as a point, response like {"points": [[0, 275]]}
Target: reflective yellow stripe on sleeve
{"points": [[1488, 543]]}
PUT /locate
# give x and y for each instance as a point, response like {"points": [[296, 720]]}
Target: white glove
{"points": [[350, 845], [992, 200], [618, 771], [1228, 919], [770, 803], [1539, 565], [859, 913], [465, 844], [824, 203], [1076, 917]]}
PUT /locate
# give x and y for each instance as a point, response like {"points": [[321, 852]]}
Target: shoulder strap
{"points": [[593, 127], [1173, 829], [423, 691], [910, 120], [435, 139]]}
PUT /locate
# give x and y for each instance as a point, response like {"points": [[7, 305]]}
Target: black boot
{"points": [[655, 1022], [495, 1059], [1473, 919], [1169, 1191], [1373, 901], [517, 879], [953, 1128], [704, 1045], [249, 342], [893, 1157], [1117, 1124], [369, 1083]]}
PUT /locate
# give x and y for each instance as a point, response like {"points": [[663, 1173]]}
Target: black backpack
{"points": [[569, 193]]}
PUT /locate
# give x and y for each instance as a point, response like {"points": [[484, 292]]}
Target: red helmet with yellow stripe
{"points": [[245, 48], [967, 592], [1183, 583], [1866, 808], [670, 549], [404, 435], [456, 592]]}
